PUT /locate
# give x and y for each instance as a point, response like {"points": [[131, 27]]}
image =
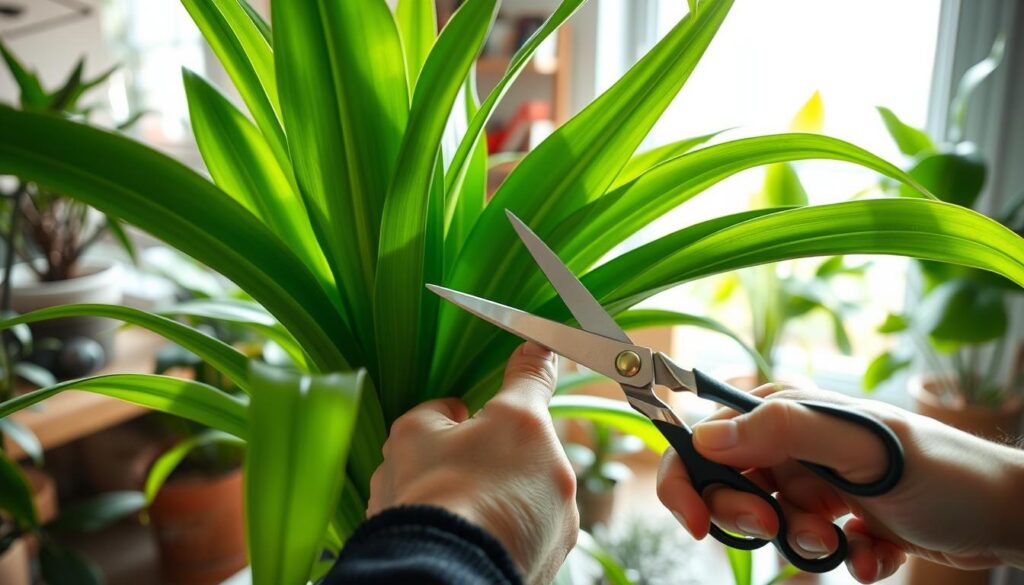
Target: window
{"points": [[767, 60]]}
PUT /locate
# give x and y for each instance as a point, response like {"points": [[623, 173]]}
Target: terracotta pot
{"points": [[14, 566], [118, 458], [200, 528], [596, 507], [993, 423], [98, 281]]}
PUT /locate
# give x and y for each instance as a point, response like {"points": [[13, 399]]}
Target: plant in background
{"points": [[779, 294], [959, 319], [343, 195], [58, 563], [53, 228], [597, 474]]}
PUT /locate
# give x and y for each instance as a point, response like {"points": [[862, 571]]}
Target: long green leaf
{"points": [[299, 434], [594, 230], [572, 167], [170, 459], [341, 75], [741, 562], [459, 166], [613, 413], [471, 191], [240, 44], [196, 402], [647, 160], [614, 573], [640, 318], [403, 309], [16, 496], [919, 228], [242, 163], [241, 313], [165, 198], [417, 25], [224, 358]]}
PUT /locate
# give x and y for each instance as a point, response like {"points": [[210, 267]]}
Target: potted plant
{"points": [[597, 474], [957, 322], [778, 295], [332, 207], [52, 235]]}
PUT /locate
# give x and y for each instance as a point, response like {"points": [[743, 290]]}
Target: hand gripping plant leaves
{"points": [[341, 194]]}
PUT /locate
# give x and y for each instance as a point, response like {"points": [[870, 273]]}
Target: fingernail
{"points": [[751, 526], [811, 543], [717, 434], [532, 349], [682, 521]]}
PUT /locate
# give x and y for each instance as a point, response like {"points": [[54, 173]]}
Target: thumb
{"points": [[780, 430], [530, 377]]}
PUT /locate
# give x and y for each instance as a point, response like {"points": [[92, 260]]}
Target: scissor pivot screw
{"points": [[627, 363]]}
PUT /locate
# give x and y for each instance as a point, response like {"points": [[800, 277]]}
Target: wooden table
{"points": [[71, 414]]}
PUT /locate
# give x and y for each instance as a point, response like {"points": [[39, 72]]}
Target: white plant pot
{"points": [[98, 281]]}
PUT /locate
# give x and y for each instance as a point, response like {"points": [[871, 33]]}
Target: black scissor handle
{"points": [[741, 401], [705, 474]]}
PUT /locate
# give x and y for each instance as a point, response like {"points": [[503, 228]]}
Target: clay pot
{"points": [[14, 566], [118, 458], [992, 423], [200, 529], [98, 281], [595, 506]]}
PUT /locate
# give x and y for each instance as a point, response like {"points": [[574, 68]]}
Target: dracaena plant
{"points": [[339, 194]]}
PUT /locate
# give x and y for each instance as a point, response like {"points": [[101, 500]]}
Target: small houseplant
{"points": [[53, 232], [956, 321], [333, 207], [597, 473]]}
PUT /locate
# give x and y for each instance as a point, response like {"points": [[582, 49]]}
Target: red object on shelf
{"points": [[514, 133]]}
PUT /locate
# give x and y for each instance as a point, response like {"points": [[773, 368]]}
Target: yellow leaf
{"points": [[811, 117]]}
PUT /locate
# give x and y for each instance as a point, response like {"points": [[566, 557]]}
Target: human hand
{"points": [[953, 504], [503, 470]]}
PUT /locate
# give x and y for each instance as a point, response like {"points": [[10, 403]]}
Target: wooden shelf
{"points": [[71, 415]]}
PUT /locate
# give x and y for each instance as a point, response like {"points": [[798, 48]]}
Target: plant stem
{"points": [[5, 292]]}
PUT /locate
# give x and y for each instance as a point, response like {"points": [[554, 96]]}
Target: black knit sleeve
{"points": [[422, 544]]}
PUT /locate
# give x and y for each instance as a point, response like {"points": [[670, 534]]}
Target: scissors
{"points": [[602, 346]]}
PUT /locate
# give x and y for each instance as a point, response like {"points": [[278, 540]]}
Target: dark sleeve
{"points": [[422, 544]]}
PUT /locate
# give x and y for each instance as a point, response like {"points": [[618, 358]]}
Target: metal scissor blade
{"points": [[584, 307], [590, 350]]}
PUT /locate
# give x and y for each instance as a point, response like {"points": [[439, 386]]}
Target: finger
{"points": [[870, 559], [742, 512], [811, 535], [808, 491], [780, 430], [762, 391], [530, 377], [678, 495], [430, 415]]}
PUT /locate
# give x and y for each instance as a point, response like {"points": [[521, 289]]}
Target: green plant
{"points": [[333, 207], [958, 312], [775, 297], [54, 228], [58, 563], [593, 463]]}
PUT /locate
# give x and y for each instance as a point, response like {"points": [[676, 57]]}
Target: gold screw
{"points": [[628, 363]]}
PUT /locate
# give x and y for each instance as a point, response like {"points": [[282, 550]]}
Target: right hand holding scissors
{"points": [[960, 501]]}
